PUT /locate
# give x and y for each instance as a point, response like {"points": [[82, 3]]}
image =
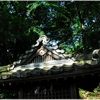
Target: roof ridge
{"points": [[52, 48]]}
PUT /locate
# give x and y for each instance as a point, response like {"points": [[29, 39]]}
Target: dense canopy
{"points": [[73, 25]]}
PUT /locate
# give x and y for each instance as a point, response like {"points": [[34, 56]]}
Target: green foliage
{"points": [[84, 94], [8, 94], [63, 21], [14, 35], [75, 25], [36, 30]]}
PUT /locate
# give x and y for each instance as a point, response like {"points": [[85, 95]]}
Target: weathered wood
{"points": [[3, 84], [38, 57], [56, 90], [74, 77], [83, 76], [9, 84], [73, 90], [65, 78], [20, 93], [54, 55]]}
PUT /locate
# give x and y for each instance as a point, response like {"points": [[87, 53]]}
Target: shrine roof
{"points": [[63, 64]]}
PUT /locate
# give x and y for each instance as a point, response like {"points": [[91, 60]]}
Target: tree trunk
{"points": [[81, 18]]}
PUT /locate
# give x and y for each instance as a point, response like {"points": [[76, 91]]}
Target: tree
{"points": [[68, 22], [14, 25], [74, 25]]}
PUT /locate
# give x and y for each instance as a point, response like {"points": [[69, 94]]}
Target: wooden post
{"points": [[73, 90], [20, 93]]}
